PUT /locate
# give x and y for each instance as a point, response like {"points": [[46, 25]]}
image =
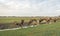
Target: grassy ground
{"points": [[41, 30], [12, 19]]}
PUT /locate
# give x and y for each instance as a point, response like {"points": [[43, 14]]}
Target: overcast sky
{"points": [[29, 7]]}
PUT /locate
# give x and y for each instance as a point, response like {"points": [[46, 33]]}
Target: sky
{"points": [[29, 7]]}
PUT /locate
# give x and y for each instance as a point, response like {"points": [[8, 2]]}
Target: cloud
{"points": [[29, 7]]}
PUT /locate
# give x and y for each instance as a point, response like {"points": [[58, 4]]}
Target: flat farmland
{"points": [[52, 29], [12, 19], [41, 30]]}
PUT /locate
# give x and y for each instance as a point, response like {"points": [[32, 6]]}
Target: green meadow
{"points": [[41, 30], [12, 19]]}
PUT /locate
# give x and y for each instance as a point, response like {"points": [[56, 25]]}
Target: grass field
{"points": [[41, 30], [12, 19]]}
